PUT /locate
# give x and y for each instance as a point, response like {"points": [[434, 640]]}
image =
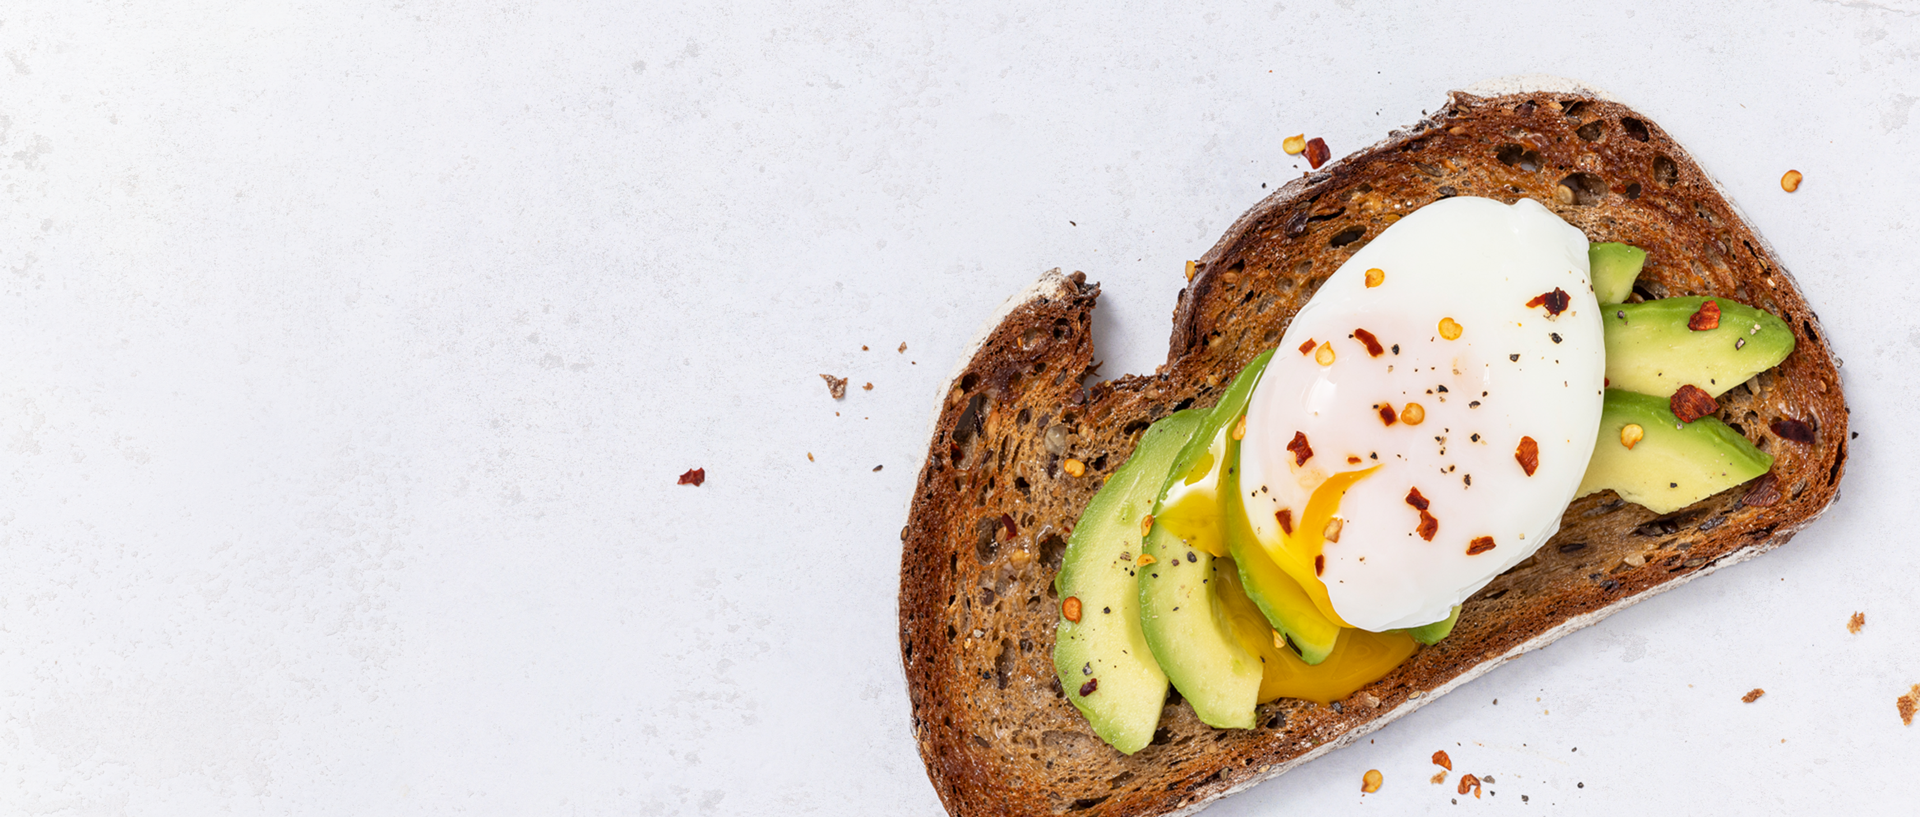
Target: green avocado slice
{"points": [[1613, 268], [1105, 666], [1430, 634], [1652, 349], [1672, 464]]}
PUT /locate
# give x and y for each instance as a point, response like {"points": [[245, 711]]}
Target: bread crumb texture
{"points": [[1753, 695], [1854, 624], [977, 605], [1907, 704]]}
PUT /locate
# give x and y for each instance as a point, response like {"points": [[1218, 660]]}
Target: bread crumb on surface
{"points": [[1750, 697], [1854, 624], [1438, 777], [1791, 181], [868, 387], [903, 347], [1370, 782], [1907, 704], [695, 477], [836, 386], [809, 456]]}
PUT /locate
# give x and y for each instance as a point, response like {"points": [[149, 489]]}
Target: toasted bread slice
{"points": [[998, 494]]}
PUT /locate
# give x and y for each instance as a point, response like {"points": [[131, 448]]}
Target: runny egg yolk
{"points": [[1358, 658], [1296, 552]]}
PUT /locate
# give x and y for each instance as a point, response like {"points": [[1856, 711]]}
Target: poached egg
{"points": [[1429, 413]]}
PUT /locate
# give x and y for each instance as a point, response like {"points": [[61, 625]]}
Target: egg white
{"points": [[1513, 372]]}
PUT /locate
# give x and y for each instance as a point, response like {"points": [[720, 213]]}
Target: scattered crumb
{"points": [[1440, 759], [1854, 624], [1907, 704], [863, 347], [876, 469], [809, 456], [1753, 696], [836, 386], [1438, 777], [694, 477], [1790, 181], [1370, 782], [868, 387], [903, 347]]}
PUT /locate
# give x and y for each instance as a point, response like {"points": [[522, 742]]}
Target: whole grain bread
{"points": [[996, 498]]}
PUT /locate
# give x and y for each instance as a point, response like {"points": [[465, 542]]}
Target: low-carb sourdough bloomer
{"points": [[1020, 447]]}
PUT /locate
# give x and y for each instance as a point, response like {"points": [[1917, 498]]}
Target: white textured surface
{"points": [[351, 351]]}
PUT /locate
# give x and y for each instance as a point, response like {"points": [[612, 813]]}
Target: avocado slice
{"points": [[1191, 634], [1105, 666], [1651, 350], [1278, 595], [1614, 267], [1430, 634], [1672, 464]]}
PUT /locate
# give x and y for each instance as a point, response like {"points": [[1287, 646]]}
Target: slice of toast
{"points": [[1020, 446]]}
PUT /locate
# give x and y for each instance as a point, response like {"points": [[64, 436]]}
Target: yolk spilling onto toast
{"points": [[1358, 658]]}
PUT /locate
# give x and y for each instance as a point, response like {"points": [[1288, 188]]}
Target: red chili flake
{"points": [[1352, 460], [1765, 491], [694, 477], [1373, 344], [1416, 500], [1285, 517], [1070, 609], [1468, 781], [1428, 525], [1555, 301], [1006, 521], [1479, 545], [1386, 413], [1317, 152], [1089, 687], [1790, 429], [1307, 348], [1301, 451], [1707, 318], [1528, 453], [1691, 403], [1319, 564], [1440, 759]]}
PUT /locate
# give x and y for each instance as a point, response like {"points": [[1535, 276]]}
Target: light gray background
{"points": [[351, 351]]}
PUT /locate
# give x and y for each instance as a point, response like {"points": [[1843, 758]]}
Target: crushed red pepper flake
{"points": [[1006, 521], [1765, 491], [1070, 609], [1468, 781], [1479, 545], [1792, 430], [1307, 348], [1708, 317], [694, 477], [1386, 413], [1752, 695], [1556, 301], [1528, 455], [1690, 403], [1285, 517], [1416, 500], [1428, 525], [1353, 460], [1319, 564], [1317, 152], [1301, 450], [1366, 338], [1440, 759], [1089, 687]]}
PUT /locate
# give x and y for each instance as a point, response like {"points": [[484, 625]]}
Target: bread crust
{"points": [[993, 505]]}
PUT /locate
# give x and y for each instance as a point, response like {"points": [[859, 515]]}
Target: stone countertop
{"points": [[352, 351]]}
